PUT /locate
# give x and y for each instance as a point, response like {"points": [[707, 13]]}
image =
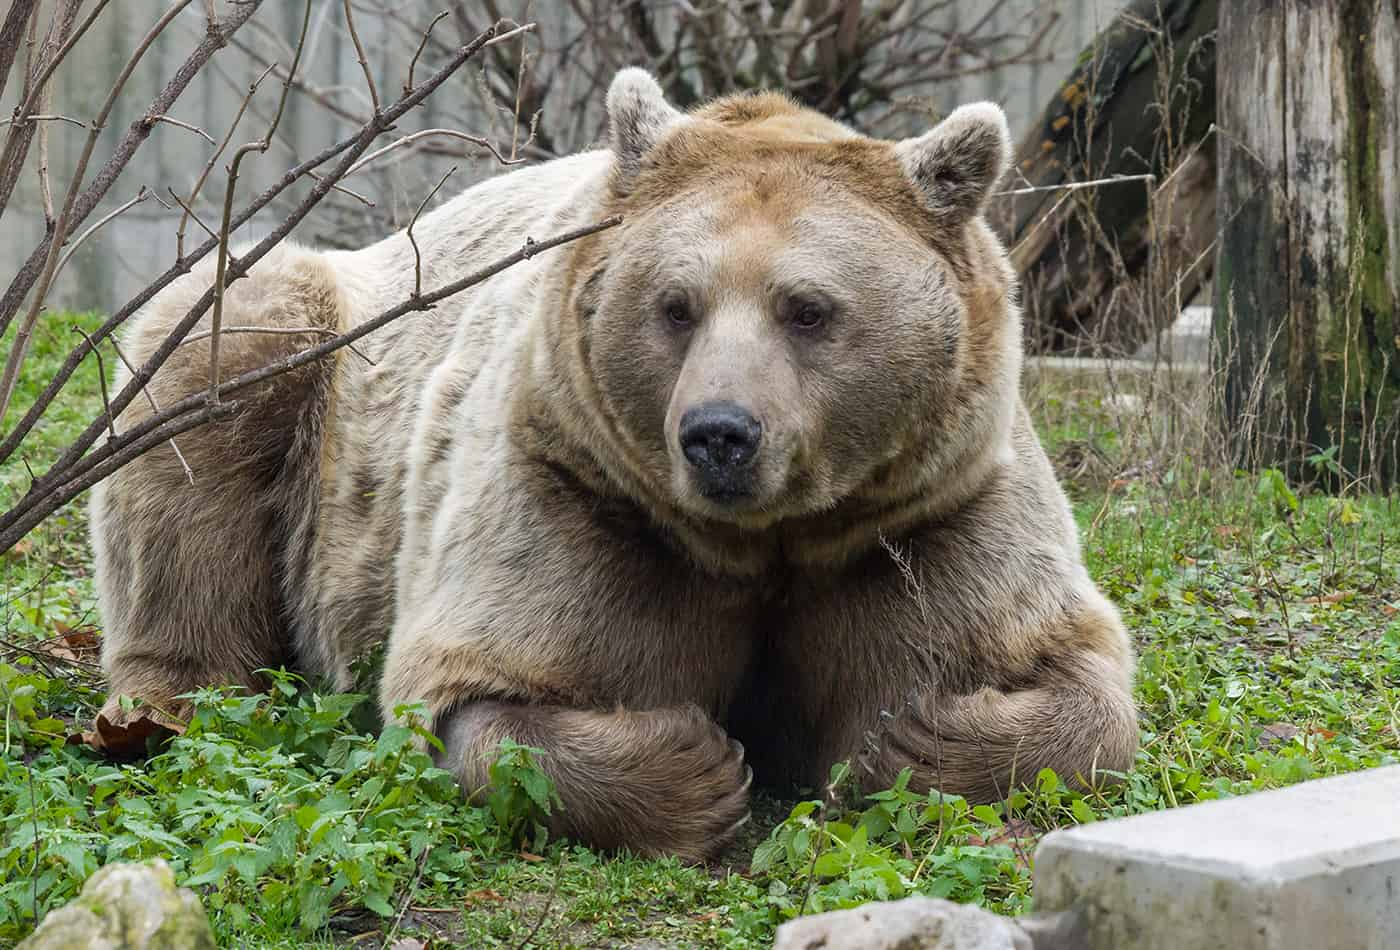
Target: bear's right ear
{"points": [[639, 116], [955, 164]]}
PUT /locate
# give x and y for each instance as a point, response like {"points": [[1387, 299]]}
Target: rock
{"points": [[915, 923], [127, 907]]}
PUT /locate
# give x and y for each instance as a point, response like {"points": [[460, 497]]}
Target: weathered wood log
{"points": [[1308, 272], [1105, 267]]}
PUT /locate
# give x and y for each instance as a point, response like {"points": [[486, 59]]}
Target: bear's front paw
{"points": [[700, 789], [932, 740]]}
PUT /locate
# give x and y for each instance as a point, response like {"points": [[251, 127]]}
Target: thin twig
{"points": [[141, 196], [1075, 185], [418, 257], [408, 83], [183, 125], [188, 214], [46, 117], [359, 54], [425, 133], [277, 331], [337, 186], [146, 391], [260, 146], [189, 203], [102, 381], [548, 903], [45, 188]]}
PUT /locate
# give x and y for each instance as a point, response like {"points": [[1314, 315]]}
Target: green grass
{"points": [[1268, 632]]}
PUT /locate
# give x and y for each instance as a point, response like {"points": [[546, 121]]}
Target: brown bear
{"points": [[745, 481]]}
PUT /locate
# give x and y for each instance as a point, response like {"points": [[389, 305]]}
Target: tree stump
{"points": [[1308, 265]]}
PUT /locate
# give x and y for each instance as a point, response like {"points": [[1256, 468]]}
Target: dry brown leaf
{"points": [[125, 740], [71, 646], [1336, 597], [21, 548], [484, 896], [527, 856]]}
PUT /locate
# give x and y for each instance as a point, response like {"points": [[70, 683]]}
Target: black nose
{"points": [[720, 439]]}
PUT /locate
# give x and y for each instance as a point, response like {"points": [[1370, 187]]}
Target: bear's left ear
{"points": [[639, 116], [955, 164]]}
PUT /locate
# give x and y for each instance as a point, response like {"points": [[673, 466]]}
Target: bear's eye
{"points": [[677, 313], [807, 315]]}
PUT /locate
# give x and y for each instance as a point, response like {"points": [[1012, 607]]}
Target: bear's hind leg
{"points": [[189, 574], [657, 782]]}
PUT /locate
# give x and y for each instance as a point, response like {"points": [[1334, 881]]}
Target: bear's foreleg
{"points": [[1080, 720], [657, 781]]}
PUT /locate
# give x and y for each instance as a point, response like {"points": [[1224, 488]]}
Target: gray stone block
{"points": [[1314, 866]]}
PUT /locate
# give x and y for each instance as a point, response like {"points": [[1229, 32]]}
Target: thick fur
{"points": [[502, 492]]}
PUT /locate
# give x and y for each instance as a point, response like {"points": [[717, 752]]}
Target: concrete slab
{"points": [[1315, 866]]}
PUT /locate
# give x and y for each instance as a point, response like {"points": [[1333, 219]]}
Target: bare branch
{"points": [[21, 132], [276, 331], [13, 28], [188, 204], [187, 214], [121, 156], [144, 296], [59, 233], [46, 117], [353, 148], [49, 492]]}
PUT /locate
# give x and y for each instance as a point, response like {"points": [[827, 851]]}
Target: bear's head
{"points": [[792, 315]]}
